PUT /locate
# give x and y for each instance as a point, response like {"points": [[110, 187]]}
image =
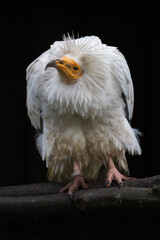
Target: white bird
{"points": [[80, 98]]}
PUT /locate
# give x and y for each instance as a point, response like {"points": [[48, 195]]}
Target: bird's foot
{"points": [[75, 183], [114, 174]]}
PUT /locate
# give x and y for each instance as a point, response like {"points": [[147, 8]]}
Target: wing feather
{"points": [[122, 75], [34, 73]]}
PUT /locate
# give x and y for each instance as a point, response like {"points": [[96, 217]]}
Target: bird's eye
{"points": [[60, 62], [75, 68]]}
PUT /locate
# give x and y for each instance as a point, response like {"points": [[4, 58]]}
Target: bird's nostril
{"points": [[59, 61]]}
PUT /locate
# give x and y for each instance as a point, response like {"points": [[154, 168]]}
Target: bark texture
{"points": [[43, 198]]}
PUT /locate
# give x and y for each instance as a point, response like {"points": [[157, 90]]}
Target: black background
{"points": [[27, 30]]}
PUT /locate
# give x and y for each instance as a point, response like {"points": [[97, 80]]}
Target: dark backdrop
{"points": [[29, 30], [26, 31]]}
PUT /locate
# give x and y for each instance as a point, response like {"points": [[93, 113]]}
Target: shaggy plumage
{"points": [[85, 122]]}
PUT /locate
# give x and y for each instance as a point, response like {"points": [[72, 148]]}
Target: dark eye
{"points": [[75, 68]]}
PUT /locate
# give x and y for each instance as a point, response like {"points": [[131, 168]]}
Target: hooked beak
{"points": [[52, 63], [68, 69]]}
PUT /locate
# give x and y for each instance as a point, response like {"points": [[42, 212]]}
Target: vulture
{"points": [[80, 100]]}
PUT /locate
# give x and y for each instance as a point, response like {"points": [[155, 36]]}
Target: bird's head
{"points": [[68, 68]]}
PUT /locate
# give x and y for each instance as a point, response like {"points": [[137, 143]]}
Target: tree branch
{"points": [[43, 198]]}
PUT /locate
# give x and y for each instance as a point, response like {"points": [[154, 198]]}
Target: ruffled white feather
{"points": [[84, 122]]}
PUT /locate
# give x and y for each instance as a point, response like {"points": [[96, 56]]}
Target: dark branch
{"points": [[43, 198]]}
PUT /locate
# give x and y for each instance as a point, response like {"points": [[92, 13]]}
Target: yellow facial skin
{"points": [[68, 68]]}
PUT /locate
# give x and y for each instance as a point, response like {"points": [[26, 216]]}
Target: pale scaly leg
{"points": [[114, 174]]}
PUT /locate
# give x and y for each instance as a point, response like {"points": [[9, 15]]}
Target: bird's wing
{"points": [[122, 75], [34, 73]]}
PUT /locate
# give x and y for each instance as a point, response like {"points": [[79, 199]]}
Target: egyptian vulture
{"points": [[80, 99]]}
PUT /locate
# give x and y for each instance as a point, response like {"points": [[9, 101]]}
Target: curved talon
{"points": [[120, 185], [106, 184], [70, 197]]}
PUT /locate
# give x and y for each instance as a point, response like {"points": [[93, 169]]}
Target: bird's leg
{"points": [[114, 174], [78, 180]]}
